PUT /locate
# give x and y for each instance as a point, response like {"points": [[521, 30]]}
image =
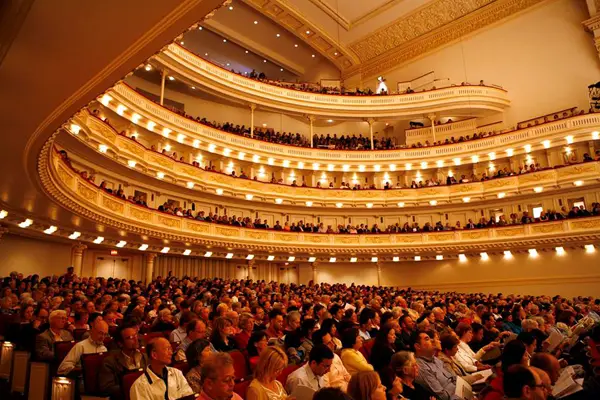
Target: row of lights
{"points": [[507, 254], [316, 166]]}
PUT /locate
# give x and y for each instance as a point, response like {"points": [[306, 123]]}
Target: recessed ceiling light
{"points": [[99, 240], [230, 8], [312, 259], [121, 244], [246, 51], [74, 235], [187, 252], [291, 258], [589, 248], [439, 257], [533, 253], [484, 256], [281, 69], [332, 259], [270, 258], [148, 67], [313, 56], [278, 201], [396, 259], [171, 78], [462, 258], [143, 247], [295, 45], [335, 54], [51, 230], [182, 42], [264, 61], [229, 255], [374, 259], [228, 64], [278, 35], [208, 254], [353, 259], [308, 32], [193, 87], [255, 22], [249, 256], [165, 250], [206, 54], [560, 251], [200, 28], [417, 258], [507, 254]]}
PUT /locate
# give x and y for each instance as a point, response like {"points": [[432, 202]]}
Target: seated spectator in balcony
{"points": [[294, 184], [196, 329], [526, 219], [91, 345], [128, 357], [152, 384], [277, 226], [221, 337], [44, 342]]}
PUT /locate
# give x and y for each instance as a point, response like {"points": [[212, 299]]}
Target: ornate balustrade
{"points": [[80, 196], [442, 132], [95, 132], [199, 71], [152, 116]]}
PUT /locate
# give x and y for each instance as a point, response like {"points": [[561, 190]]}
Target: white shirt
{"points": [[467, 358], [338, 375], [305, 377], [73, 358], [365, 335], [154, 388], [177, 335]]}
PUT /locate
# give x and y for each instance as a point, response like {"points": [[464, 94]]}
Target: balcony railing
{"points": [[195, 69], [202, 136], [75, 193], [151, 162]]}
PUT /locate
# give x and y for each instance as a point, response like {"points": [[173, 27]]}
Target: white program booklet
{"points": [[486, 374], [303, 393], [463, 389]]}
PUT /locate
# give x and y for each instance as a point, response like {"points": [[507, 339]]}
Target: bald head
{"points": [[548, 363], [99, 330]]}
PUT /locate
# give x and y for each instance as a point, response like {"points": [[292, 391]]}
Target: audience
{"points": [[305, 321]]}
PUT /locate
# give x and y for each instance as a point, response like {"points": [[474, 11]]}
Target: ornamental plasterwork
{"points": [[139, 214], [586, 224], [384, 58], [508, 232], [547, 228], [113, 205]]}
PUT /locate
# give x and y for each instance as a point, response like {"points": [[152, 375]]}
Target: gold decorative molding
{"points": [[426, 29]]}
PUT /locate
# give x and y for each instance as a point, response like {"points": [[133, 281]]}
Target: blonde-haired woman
{"points": [[265, 385], [366, 385]]}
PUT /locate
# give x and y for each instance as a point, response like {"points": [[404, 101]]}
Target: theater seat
{"points": [[78, 334], [286, 372], [127, 381], [367, 347], [240, 363], [61, 349], [91, 364], [241, 388], [183, 366]]}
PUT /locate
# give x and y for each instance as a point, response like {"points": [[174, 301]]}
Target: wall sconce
{"points": [[63, 388]]}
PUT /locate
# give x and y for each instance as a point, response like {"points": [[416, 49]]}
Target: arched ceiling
{"points": [[359, 37]]}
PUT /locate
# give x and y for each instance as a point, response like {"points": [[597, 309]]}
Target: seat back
{"points": [[367, 347], [241, 388], [183, 366], [61, 349], [127, 381], [286, 372], [78, 334], [91, 364], [240, 363]]}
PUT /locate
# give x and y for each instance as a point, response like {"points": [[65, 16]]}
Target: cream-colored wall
{"points": [[31, 256], [573, 274], [543, 57]]}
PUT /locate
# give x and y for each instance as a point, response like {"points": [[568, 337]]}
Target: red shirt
{"points": [[241, 339]]}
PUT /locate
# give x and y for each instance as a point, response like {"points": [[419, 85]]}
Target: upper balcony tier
{"points": [[457, 100], [144, 112]]}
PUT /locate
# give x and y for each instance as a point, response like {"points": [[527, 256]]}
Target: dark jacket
{"points": [[111, 371]]}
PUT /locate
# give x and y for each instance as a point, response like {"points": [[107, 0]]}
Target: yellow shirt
{"points": [[354, 361]]}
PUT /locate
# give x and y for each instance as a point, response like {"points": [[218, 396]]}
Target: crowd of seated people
{"points": [[347, 142], [252, 340]]}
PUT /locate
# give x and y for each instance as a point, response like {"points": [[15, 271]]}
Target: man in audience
{"points": [[314, 374], [196, 329], [128, 357], [217, 377], [338, 376], [93, 344], [44, 342], [275, 329], [405, 337], [432, 374], [177, 335], [159, 381], [522, 383], [548, 363]]}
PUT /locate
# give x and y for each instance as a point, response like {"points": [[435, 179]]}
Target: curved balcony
{"points": [[458, 99], [96, 133], [76, 194], [128, 103]]}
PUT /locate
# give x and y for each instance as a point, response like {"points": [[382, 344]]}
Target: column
{"points": [[432, 119], [549, 159], [250, 269], [77, 258], [378, 264], [593, 24], [312, 119], [252, 108], [371, 121], [163, 77], [149, 266], [314, 272]]}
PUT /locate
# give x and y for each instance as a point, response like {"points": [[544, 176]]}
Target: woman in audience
{"points": [[384, 348], [246, 325], [256, 344], [405, 367], [221, 337], [514, 353], [352, 358], [329, 393], [467, 358], [198, 350], [366, 385], [449, 343], [265, 385], [81, 320]]}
